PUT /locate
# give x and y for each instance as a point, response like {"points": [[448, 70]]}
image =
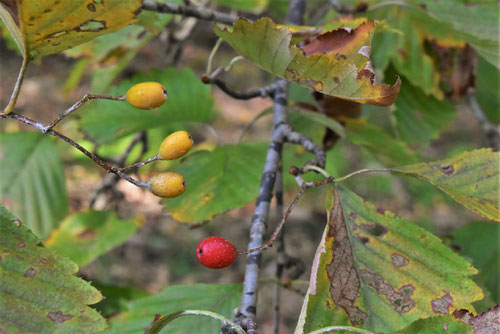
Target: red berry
{"points": [[216, 252]]}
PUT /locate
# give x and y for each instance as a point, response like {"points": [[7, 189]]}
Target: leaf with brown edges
{"points": [[380, 272], [336, 63]]}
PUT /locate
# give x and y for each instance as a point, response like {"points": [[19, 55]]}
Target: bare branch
{"points": [[192, 11], [308, 144], [260, 92]]}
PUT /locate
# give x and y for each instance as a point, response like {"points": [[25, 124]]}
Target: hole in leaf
{"points": [[92, 25]]}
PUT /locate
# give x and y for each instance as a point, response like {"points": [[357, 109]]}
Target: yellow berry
{"points": [[175, 145], [167, 184], [147, 95]]}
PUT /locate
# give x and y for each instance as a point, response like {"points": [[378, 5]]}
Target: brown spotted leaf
{"points": [[336, 63], [45, 27], [487, 322], [470, 178], [38, 290], [381, 272]]}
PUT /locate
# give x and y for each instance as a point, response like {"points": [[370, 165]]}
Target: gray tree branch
{"points": [[192, 11], [248, 306]]}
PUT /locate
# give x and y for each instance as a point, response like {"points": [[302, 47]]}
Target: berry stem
{"points": [[44, 129], [141, 163], [78, 104]]}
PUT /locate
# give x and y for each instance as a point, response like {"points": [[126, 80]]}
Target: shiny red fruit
{"points": [[216, 252]]}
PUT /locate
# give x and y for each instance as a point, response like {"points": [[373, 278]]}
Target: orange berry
{"points": [[167, 184], [175, 145], [147, 95]]}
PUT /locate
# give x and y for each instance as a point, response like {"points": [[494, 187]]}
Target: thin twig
{"points": [[320, 170], [192, 11], [212, 78], [219, 70], [280, 246], [78, 104], [259, 92], [42, 128], [308, 144], [141, 163], [303, 187], [270, 242], [110, 180], [17, 87]]}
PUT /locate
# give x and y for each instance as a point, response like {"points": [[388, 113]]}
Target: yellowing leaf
{"points": [[49, 26], [381, 272], [336, 63], [470, 178]]}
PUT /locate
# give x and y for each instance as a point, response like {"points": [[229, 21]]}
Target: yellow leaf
{"points": [[45, 27]]}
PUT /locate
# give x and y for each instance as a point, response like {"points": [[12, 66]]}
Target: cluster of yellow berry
{"points": [[149, 95]]}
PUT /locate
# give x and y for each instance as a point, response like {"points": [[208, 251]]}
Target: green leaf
{"points": [[384, 46], [381, 272], [488, 89], [344, 54], [478, 241], [437, 325], [39, 292], [221, 299], [32, 180], [188, 101], [116, 297], [46, 26], [475, 21], [248, 5], [420, 118], [226, 178], [388, 150], [321, 119], [410, 58], [84, 236], [470, 178]]}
